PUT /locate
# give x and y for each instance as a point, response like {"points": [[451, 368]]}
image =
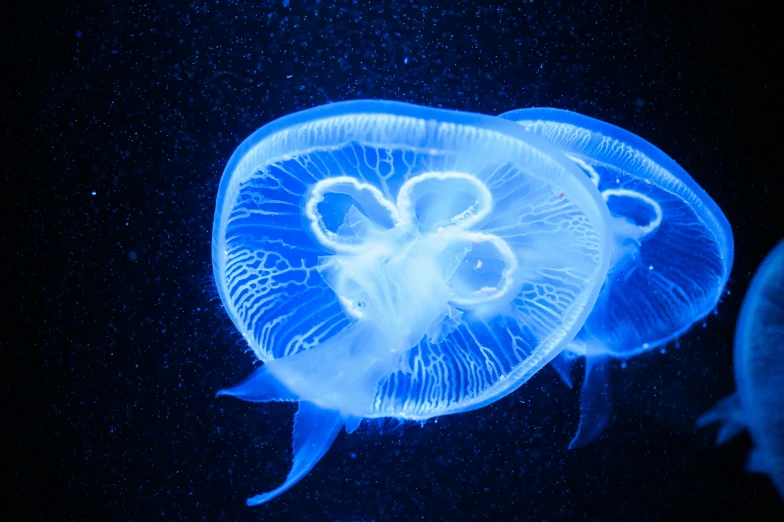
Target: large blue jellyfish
{"points": [[672, 252], [759, 373], [389, 260]]}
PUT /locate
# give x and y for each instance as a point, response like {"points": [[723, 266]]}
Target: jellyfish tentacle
{"points": [[729, 412], [562, 365], [334, 383], [595, 401], [315, 429], [260, 386]]}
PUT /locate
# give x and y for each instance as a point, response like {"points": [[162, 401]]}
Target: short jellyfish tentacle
{"points": [[595, 401], [334, 383], [315, 429], [260, 386], [729, 412], [562, 364]]}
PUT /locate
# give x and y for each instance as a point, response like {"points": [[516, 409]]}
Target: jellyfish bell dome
{"points": [[672, 253], [758, 360], [390, 260]]}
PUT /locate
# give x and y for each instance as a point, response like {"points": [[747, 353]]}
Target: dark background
{"points": [[118, 118]]}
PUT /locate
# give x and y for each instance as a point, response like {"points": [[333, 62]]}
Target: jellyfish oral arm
{"points": [[728, 412], [333, 387], [342, 373], [595, 401], [314, 431], [562, 365], [596, 390]]}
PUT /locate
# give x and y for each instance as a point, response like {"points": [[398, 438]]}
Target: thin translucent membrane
{"points": [[384, 259]]}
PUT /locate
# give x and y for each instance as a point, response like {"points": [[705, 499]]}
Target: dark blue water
{"points": [[118, 118]]}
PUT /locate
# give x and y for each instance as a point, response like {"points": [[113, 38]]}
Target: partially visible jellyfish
{"points": [[672, 252], [389, 260], [758, 403]]}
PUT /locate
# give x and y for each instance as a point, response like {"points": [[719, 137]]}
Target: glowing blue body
{"points": [[672, 255], [758, 405], [389, 260]]}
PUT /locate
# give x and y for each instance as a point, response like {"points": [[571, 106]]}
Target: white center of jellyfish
{"points": [[406, 265], [634, 217]]}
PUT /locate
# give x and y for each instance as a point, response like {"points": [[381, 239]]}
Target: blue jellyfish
{"points": [[389, 260], [671, 258], [758, 405]]}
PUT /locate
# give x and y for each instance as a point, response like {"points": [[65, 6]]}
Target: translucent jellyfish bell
{"points": [[758, 404], [672, 252], [390, 260]]}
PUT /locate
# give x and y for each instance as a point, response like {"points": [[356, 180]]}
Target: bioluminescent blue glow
{"points": [[758, 404], [389, 260], [672, 252]]}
